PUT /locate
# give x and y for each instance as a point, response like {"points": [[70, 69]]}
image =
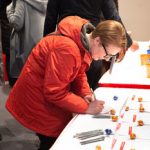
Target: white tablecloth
{"points": [[81, 123], [129, 71]]}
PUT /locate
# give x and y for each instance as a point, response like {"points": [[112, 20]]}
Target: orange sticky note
{"points": [[145, 59], [148, 71]]}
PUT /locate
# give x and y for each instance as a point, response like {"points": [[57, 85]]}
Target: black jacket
{"points": [[4, 3], [89, 9]]}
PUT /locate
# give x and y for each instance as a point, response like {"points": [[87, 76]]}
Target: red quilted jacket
{"points": [[53, 82]]}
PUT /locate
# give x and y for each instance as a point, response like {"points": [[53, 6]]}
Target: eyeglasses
{"points": [[109, 56]]}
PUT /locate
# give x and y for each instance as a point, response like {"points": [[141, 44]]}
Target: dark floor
{"points": [[14, 135]]}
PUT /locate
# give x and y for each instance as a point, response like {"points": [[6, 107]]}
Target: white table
{"points": [[127, 72], [81, 123]]}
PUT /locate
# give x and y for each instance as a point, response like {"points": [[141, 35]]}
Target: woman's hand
{"points": [[95, 107], [134, 46]]}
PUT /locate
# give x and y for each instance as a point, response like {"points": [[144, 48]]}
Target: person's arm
{"points": [[81, 82], [16, 15], [110, 12], [61, 69], [51, 16]]}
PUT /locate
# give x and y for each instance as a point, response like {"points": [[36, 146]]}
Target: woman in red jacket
{"points": [[53, 83]]}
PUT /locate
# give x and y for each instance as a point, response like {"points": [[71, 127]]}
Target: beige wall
{"points": [[135, 15]]}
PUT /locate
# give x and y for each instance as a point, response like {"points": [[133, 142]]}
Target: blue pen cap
{"points": [[115, 98], [108, 131], [148, 51]]}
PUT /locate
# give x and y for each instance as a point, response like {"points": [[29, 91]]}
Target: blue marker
{"points": [[115, 98], [148, 51], [108, 131]]}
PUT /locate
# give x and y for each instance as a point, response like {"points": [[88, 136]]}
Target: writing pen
{"points": [[93, 94], [98, 116]]}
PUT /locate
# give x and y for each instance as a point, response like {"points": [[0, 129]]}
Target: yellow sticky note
{"points": [[145, 59], [148, 71]]}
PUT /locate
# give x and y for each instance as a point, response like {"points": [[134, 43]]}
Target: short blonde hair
{"points": [[112, 32]]}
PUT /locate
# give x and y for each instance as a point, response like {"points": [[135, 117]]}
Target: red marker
{"points": [[122, 115], [141, 105], [134, 118], [113, 143], [133, 97], [130, 130], [118, 126], [122, 145]]}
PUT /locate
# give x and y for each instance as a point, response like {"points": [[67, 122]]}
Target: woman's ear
{"points": [[97, 41]]}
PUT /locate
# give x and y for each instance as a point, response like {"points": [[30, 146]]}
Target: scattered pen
{"points": [[103, 116], [87, 133], [91, 136], [92, 140]]}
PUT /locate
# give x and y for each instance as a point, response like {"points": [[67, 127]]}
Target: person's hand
{"points": [[95, 107], [134, 46]]}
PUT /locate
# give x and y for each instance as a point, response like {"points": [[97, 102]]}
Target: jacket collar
{"points": [[86, 28]]}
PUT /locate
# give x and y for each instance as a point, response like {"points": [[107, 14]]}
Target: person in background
{"points": [[53, 83], [27, 19], [5, 30], [5, 36], [91, 10]]}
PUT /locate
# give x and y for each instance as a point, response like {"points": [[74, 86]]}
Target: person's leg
{"points": [[6, 32], [45, 141], [0, 137]]}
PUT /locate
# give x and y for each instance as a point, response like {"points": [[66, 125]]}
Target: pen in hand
{"points": [[89, 98], [95, 106], [94, 96]]}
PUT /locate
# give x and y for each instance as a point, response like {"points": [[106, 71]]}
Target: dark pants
{"points": [[97, 69], [5, 38], [45, 141], [0, 137]]}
